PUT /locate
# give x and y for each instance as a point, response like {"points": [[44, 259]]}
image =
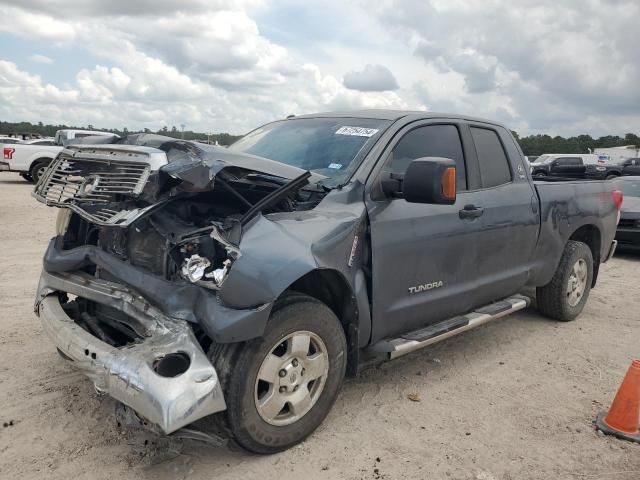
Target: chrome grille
{"points": [[94, 187], [91, 180]]}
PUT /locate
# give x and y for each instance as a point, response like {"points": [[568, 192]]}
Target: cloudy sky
{"points": [[562, 67]]}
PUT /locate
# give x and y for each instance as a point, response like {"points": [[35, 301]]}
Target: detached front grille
{"points": [[94, 187]]}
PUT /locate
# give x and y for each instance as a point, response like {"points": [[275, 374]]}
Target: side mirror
{"points": [[427, 180]]}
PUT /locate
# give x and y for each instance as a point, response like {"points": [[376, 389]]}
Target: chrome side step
{"points": [[440, 331]]}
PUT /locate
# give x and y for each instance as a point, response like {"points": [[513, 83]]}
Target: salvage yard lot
{"points": [[514, 399]]}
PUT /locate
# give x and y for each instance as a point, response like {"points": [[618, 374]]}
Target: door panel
{"points": [[571, 167], [417, 245], [510, 220], [423, 255], [506, 242]]}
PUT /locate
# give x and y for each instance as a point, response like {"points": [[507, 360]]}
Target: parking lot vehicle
{"points": [[31, 157], [586, 166], [630, 166], [188, 280], [9, 140], [628, 232]]}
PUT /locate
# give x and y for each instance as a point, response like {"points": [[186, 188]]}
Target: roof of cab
{"points": [[385, 114]]}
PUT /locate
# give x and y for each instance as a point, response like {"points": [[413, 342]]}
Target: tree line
{"points": [[50, 130], [534, 145], [531, 145]]}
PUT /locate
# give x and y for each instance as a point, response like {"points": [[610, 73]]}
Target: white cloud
{"points": [[539, 65], [40, 59], [372, 78]]}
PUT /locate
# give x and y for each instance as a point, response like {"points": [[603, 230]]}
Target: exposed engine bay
{"points": [[170, 211]]}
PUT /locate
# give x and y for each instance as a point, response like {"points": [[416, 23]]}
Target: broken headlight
{"points": [[193, 267]]}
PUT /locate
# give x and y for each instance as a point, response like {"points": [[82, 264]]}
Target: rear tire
{"points": [[27, 177], [564, 297], [38, 169], [611, 177], [303, 339]]}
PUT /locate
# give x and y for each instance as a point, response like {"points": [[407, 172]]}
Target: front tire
{"points": [[280, 387], [564, 297]]}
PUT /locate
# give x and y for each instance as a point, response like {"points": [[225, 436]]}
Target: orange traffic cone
{"points": [[623, 419]]}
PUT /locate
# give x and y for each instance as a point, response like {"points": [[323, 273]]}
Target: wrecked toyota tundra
{"points": [[236, 287]]}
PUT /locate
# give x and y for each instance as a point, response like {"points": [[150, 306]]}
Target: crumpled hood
{"points": [[92, 175], [199, 163]]}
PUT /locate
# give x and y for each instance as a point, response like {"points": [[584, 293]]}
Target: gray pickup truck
{"points": [[235, 288]]}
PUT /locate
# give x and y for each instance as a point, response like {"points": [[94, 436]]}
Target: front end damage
{"points": [[133, 286]]}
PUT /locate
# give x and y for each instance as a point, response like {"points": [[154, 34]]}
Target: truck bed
{"points": [[566, 209]]}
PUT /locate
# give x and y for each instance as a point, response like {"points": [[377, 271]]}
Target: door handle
{"points": [[471, 211]]}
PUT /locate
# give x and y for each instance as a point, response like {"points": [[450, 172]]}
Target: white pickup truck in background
{"points": [[31, 157]]}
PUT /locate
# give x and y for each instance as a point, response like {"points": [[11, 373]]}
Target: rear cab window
{"points": [[492, 158]]}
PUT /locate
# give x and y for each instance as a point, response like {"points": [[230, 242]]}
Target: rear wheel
{"points": [[564, 297], [612, 176], [38, 169], [27, 177], [280, 387]]}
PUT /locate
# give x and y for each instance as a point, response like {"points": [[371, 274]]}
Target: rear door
{"points": [[570, 167], [423, 256], [510, 219]]}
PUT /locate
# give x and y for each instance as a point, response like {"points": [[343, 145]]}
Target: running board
{"points": [[424, 337]]}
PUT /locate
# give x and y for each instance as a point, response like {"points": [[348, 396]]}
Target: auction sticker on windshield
{"points": [[357, 131]]}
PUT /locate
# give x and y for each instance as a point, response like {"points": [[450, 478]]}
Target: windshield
{"points": [[630, 188], [332, 147], [542, 158]]}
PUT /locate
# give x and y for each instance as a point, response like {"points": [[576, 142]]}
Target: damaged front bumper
{"points": [[166, 377]]}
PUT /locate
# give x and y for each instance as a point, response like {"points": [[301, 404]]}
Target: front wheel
{"points": [[280, 387], [611, 177], [564, 297]]}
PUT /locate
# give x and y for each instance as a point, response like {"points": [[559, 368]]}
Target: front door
{"points": [[423, 256]]}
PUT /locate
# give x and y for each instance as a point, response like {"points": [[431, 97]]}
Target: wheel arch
{"points": [[38, 159], [592, 237], [330, 287]]}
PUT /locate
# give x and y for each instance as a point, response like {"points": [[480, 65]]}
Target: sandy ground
{"points": [[512, 400]]}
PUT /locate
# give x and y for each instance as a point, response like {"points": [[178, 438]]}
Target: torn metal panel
{"points": [[178, 300], [131, 374]]}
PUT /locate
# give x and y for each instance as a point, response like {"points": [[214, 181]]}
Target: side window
{"points": [[430, 141], [568, 161], [494, 166]]}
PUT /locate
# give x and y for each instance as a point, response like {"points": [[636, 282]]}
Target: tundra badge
{"points": [[425, 286]]}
